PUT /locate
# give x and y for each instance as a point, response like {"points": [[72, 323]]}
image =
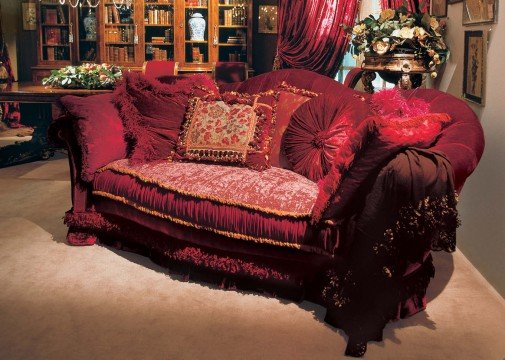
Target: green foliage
{"points": [[86, 76]]}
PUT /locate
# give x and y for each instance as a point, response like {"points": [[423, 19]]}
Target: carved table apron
{"points": [[38, 105]]}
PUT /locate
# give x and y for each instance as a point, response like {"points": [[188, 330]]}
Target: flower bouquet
{"points": [[399, 31], [86, 76]]}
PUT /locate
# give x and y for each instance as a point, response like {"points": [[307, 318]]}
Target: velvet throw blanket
{"points": [[409, 211]]}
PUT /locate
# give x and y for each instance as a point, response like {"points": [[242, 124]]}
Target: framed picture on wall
{"points": [[29, 16], [438, 8], [267, 19], [474, 71], [479, 11]]}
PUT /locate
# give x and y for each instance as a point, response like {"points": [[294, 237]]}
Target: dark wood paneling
{"points": [[264, 45]]}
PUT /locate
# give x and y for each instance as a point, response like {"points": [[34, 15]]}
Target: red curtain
{"points": [[412, 5], [311, 35]]}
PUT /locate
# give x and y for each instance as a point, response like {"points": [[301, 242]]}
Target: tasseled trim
{"points": [[88, 220], [229, 234], [227, 265], [345, 157], [76, 238], [390, 103], [284, 86], [277, 62]]}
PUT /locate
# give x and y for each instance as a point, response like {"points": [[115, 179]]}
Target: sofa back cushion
{"points": [[290, 99], [153, 112], [98, 129]]}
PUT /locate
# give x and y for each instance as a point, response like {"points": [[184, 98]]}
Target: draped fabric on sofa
{"points": [[311, 34], [412, 5]]}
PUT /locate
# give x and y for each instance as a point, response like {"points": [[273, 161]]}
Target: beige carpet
{"points": [[62, 302]]}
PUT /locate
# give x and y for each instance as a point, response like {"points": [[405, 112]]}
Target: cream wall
{"points": [[482, 234], [11, 10]]}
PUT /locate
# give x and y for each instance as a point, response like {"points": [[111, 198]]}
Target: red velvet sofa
{"points": [[215, 240]]}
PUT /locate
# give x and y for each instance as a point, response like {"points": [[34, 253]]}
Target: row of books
{"points": [[55, 36], [159, 17], [113, 16], [190, 3], [159, 54], [53, 16], [119, 54], [53, 54], [235, 16], [233, 2], [124, 34], [160, 1]]}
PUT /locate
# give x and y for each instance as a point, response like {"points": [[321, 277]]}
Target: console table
{"points": [[39, 106]]}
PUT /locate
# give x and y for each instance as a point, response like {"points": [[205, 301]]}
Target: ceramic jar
{"points": [[197, 27], [90, 26]]}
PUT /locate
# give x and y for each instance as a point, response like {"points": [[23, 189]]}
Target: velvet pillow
{"points": [[290, 99], [153, 112], [316, 131], [99, 131], [234, 129]]}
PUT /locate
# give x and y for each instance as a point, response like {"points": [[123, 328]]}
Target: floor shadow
{"points": [[444, 268]]}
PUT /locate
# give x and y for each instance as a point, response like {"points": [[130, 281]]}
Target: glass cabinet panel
{"points": [[233, 26], [55, 30], [87, 33], [196, 15], [159, 29], [120, 34]]}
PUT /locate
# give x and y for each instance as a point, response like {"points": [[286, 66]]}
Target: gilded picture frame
{"points": [[267, 19], [474, 70], [29, 11], [479, 11]]}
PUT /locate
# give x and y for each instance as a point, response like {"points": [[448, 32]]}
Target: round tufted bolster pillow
{"points": [[318, 128]]}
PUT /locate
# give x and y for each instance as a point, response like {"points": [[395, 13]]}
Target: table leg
{"points": [[367, 78]]}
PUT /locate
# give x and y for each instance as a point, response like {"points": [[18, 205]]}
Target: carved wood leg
{"points": [[367, 78]]}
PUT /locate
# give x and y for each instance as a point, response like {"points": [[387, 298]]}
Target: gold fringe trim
{"points": [[284, 86], [207, 228], [219, 200]]}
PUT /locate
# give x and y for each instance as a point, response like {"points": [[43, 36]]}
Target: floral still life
{"points": [[399, 31], [86, 76]]}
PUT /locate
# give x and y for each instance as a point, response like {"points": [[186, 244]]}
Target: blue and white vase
{"points": [[197, 27]]}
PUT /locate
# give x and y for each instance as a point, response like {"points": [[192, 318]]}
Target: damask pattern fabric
{"points": [[233, 129]]}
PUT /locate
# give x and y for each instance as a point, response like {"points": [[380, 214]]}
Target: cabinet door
{"points": [[87, 34], [194, 38], [159, 29], [121, 32], [234, 30], [54, 35]]}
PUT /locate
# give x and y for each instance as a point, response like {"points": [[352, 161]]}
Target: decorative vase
{"points": [[197, 27], [90, 26]]}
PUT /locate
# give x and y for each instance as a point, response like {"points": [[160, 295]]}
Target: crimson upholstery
{"points": [[352, 77], [155, 68], [270, 207], [98, 130], [226, 72]]}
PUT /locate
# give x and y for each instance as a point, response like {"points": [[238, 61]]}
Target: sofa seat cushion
{"points": [[270, 207]]}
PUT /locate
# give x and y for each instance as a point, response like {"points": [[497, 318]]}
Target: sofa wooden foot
{"points": [[77, 238]]}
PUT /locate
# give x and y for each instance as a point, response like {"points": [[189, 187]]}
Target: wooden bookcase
{"points": [[150, 30]]}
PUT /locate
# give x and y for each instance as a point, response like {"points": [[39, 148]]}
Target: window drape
{"points": [[311, 34]]}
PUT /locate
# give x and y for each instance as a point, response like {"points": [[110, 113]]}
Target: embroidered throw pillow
{"points": [[233, 130], [290, 99], [153, 112]]}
